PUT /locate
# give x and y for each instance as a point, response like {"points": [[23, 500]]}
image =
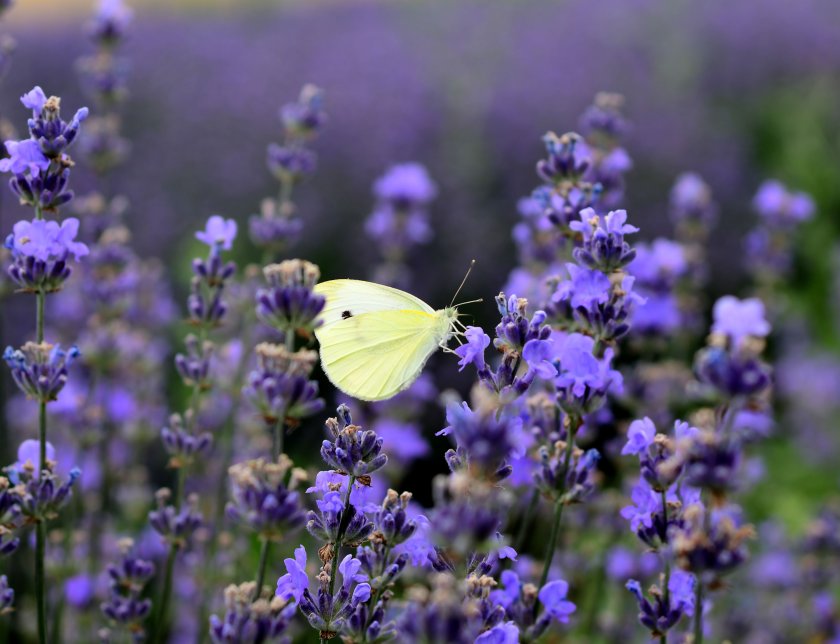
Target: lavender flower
{"points": [[667, 606], [183, 446], [265, 498], [40, 253], [583, 380], [352, 450], [176, 526], [485, 442], [692, 207], [125, 608], [249, 620], [280, 387], [289, 304], [205, 303], [603, 245], [40, 370]]}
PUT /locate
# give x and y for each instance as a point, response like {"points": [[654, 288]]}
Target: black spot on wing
{"points": [[346, 314]]}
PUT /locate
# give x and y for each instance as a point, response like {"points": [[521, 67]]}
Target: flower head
{"points": [[740, 319], [218, 233]]}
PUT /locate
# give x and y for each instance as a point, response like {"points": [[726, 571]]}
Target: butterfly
{"points": [[375, 339]]}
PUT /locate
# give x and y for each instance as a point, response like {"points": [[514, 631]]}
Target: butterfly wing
{"points": [[375, 355], [349, 298]]}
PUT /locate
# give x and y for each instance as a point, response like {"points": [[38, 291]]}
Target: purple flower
{"points": [[218, 233], [34, 99], [539, 354], [79, 590], [681, 587], [739, 319], [24, 155], [510, 591], [603, 245], [30, 452], [780, 207], [406, 184], [640, 436], [349, 569], [403, 441], [691, 201], [506, 633], [646, 503], [295, 581], [586, 288], [583, 380], [472, 352], [553, 597], [46, 240]]}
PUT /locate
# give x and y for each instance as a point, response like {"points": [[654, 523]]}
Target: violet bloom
{"points": [[295, 581], [24, 155], [553, 597], [583, 380], [740, 319], [406, 185], [505, 633], [472, 351], [780, 207], [640, 436], [218, 233], [47, 240], [29, 453], [691, 202], [603, 245]]}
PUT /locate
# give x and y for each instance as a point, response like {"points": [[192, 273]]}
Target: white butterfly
{"points": [[376, 339]]}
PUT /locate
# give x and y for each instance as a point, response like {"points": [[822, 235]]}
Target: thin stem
{"points": [[339, 538], [41, 530], [527, 518], [558, 505], [277, 438], [698, 610], [40, 590], [266, 546], [163, 607]]}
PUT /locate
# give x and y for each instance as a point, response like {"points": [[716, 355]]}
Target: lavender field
{"points": [[626, 428]]}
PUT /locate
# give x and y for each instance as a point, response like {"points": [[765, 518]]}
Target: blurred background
{"points": [[735, 91]]}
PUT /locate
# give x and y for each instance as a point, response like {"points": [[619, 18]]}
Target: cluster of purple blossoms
{"points": [[769, 247], [125, 608], [400, 219], [277, 225], [289, 304], [103, 76], [682, 474]]}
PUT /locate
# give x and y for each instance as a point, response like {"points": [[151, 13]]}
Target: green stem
{"points": [[41, 530], [558, 505], [698, 611], [339, 538], [266, 546], [277, 438], [166, 592], [527, 518], [40, 590]]}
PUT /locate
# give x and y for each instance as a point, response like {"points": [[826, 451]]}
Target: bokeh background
{"points": [[738, 91]]}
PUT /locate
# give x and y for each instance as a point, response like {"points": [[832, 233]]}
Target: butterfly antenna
{"points": [[463, 281]]}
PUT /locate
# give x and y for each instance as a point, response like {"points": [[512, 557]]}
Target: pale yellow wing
{"points": [[347, 298], [373, 356]]}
